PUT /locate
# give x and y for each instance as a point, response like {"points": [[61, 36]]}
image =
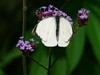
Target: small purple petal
{"points": [[81, 17], [28, 47], [55, 13], [56, 9], [87, 11], [44, 7], [64, 14], [32, 40], [85, 16], [69, 18], [50, 6], [20, 42], [31, 50], [18, 45], [22, 47], [50, 10], [80, 11], [37, 42], [26, 42], [22, 37], [46, 12]]}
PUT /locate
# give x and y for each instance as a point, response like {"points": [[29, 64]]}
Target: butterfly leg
{"points": [[34, 31]]}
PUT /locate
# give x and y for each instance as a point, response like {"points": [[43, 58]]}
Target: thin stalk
{"points": [[24, 65], [68, 66], [76, 30], [49, 64], [24, 18], [36, 62], [54, 63], [23, 34]]}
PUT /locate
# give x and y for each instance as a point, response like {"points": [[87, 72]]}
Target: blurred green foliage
{"points": [[81, 57]]}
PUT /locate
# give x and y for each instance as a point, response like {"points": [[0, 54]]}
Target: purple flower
{"points": [[26, 42], [64, 14], [82, 17], [46, 14], [55, 13], [69, 18], [20, 42], [22, 47], [51, 10], [26, 46]]}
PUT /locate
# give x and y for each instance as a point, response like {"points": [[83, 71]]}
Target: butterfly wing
{"points": [[65, 32], [46, 30]]}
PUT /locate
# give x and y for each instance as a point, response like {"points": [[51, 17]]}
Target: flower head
{"points": [[45, 12], [26, 46], [82, 17]]}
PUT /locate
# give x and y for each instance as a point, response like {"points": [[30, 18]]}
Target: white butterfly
{"points": [[53, 31]]}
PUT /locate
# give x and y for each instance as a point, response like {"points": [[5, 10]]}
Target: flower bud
{"points": [[82, 17]]}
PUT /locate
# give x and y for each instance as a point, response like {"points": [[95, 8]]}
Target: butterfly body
{"points": [[57, 26]]}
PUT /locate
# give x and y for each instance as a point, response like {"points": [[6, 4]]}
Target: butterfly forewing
{"points": [[65, 32], [46, 30]]}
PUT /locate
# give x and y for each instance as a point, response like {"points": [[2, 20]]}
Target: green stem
{"points": [[23, 34], [24, 65], [68, 66], [49, 64], [37, 62], [54, 62], [24, 18]]}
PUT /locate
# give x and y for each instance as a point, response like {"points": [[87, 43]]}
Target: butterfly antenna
{"points": [[49, 2], [64, 4]]}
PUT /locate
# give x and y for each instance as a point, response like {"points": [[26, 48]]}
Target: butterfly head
{"points": [[58, 14]]}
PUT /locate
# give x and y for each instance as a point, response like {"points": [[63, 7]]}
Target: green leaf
{"points": [[74, 52], [75, 49], [60, 67], [1, 72], [97, 69], [93, 33], [14, 53], [41, 56]]}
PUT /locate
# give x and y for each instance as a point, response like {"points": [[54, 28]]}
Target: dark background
{"points": [[81, 57]]}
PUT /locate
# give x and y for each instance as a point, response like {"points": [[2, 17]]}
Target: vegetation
{"points": [[81, 57]]}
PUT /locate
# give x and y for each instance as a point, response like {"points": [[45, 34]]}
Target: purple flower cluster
{"points": [[44, 12], [83, 17], [26, 46], [83, 13]]}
